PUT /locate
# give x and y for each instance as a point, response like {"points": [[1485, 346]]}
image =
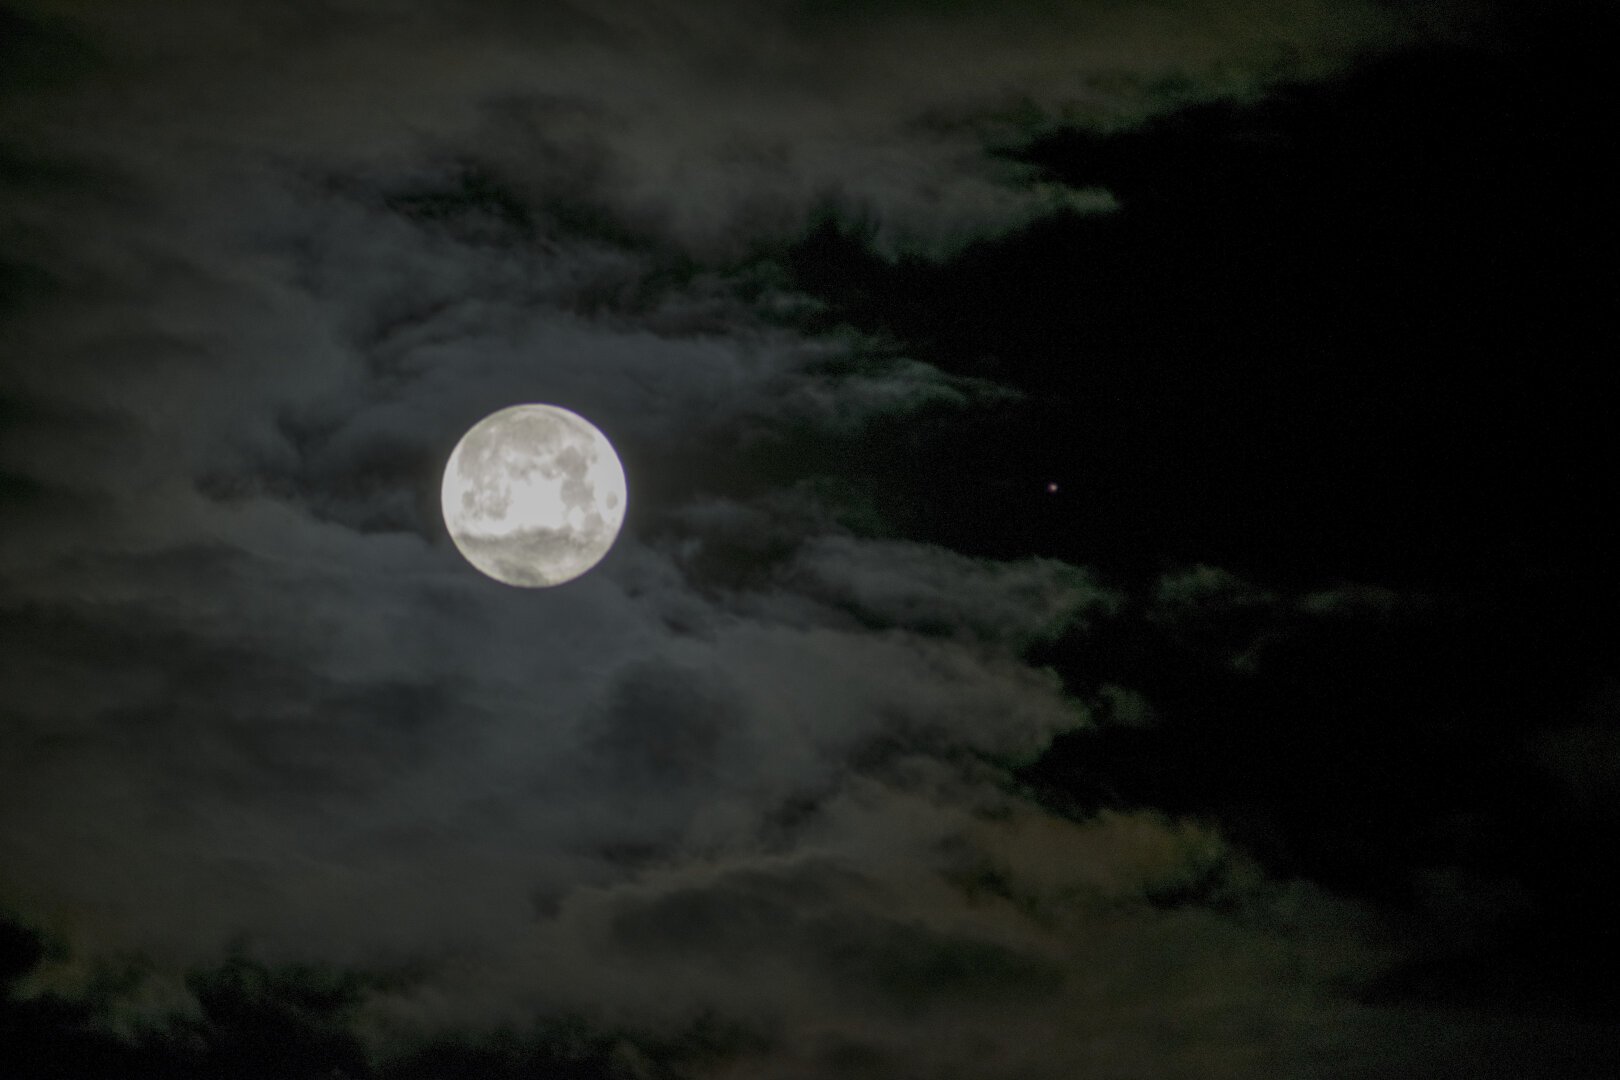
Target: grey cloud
{"points": [[1226, 614], [275, 715], [1124, 707], [927, 922], [1202, 591], [786, 555], [929, 590], [756, 918], [274, 380], [262, 697], [697, 118], [1208, 589], [1353, 599]]}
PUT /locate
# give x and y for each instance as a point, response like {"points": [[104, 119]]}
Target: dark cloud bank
{"points": [[1114, 585]]}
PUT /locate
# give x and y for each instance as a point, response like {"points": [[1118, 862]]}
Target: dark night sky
{"points": [[1118, 580]]}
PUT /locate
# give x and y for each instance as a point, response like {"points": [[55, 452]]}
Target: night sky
{"points": [[1119, 581]]}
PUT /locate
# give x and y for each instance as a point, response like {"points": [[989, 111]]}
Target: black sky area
{"points": [[1322, 329], [1344, 331], [1119, 579]]}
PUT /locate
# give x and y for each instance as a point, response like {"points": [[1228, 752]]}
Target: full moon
{"points": [[533, 495]]}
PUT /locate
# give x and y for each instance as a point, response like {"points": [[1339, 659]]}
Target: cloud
{"points": [[277, 260], [1352, 600], [928, 590], [1124, 707], [1209, 589], [927, 921], [707, 122], [776, 811], [1220, 612]]}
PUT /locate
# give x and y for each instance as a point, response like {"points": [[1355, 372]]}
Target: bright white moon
{"points": [[534, 495]]}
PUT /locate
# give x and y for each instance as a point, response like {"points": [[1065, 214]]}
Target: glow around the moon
{"points": [[534, 495]]}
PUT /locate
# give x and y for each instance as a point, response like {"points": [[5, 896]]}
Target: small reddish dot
{"points": [[1051, 488]]}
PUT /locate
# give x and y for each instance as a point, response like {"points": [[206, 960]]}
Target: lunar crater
{"points": [[534, 495]]}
